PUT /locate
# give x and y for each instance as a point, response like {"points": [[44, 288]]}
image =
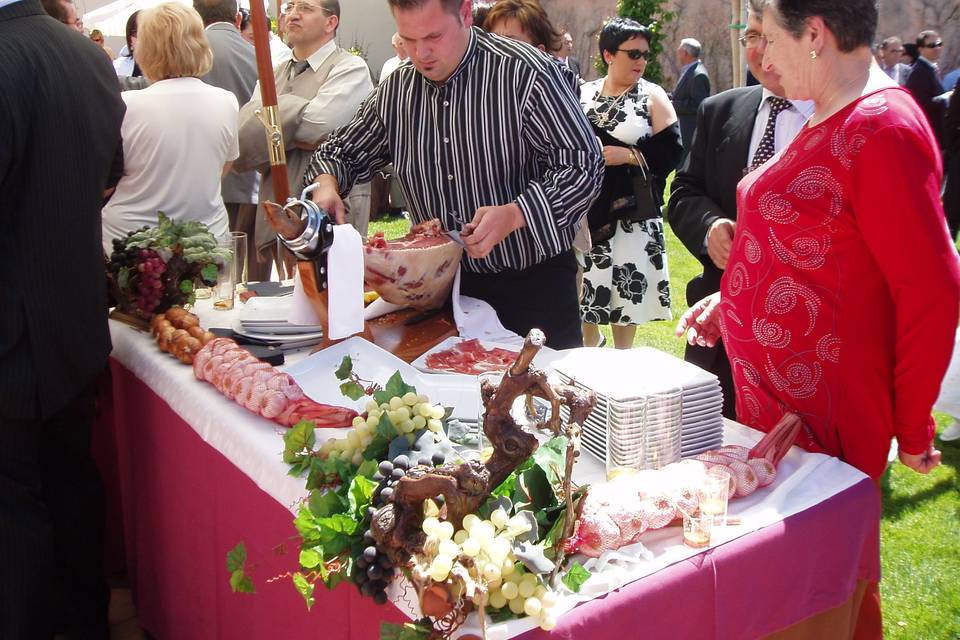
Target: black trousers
{"points": [[51, 527], [543, 296]]}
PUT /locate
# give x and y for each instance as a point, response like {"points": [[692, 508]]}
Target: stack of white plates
{"points": [[265, 318], [652, 408]]}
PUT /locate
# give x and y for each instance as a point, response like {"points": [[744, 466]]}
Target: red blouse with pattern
{"points": [[841, 296]]}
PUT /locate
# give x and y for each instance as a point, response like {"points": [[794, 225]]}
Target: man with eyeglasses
{"points": [[693, 87], [486, 134], [924, 81], [889, 54], [318, 90], [736, 130]]}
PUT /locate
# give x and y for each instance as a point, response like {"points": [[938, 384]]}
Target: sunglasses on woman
{"points": [[636, 54]]}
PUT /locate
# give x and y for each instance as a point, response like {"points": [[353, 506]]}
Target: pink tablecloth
{"points": [[184, 505]]}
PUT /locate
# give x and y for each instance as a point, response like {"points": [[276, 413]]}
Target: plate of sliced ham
{"points": [[474, 357]]}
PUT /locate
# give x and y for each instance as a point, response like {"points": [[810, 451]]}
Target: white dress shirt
{"points": [[789, 123]]}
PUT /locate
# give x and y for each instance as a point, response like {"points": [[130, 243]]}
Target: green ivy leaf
{"points": [[186, 286], [551, 457], [241, 583], [368, 469], [297, 440], [305, 587], [209, 273], [407, 631], [237, 557], [310, 558], [395, 388], [325, 503], [575, 577], [353, 390], [359, 494], [385, 428], [345, 369]]}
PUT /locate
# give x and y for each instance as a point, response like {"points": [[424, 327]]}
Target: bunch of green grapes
{"points": [[484, 548], [409, 415]]}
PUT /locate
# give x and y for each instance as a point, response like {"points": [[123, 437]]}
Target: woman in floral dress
{"points": [[625, 280]]}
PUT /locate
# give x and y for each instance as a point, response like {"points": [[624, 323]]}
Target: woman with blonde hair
{"points": [[97, 36], [179, 134]]}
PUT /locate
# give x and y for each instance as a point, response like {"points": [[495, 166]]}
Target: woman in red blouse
{"points": [[840, 298]]}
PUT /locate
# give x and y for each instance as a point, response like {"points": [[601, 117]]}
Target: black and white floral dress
{"points": [[625, 278]]}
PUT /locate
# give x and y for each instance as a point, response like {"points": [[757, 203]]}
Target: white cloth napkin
{"points": [[477, 319], [345, 282]]}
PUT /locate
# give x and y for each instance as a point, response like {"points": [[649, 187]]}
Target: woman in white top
{"points": [[179, 134]]}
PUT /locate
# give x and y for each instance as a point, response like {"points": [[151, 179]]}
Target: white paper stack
{"points": [[652, 408]]}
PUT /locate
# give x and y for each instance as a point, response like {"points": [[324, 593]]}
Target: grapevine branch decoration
{"points": [[466, 486]]}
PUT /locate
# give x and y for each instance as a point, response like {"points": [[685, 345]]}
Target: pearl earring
{"points": [[813, 55]]}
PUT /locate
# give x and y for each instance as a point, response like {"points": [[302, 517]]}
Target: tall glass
{"points": [[241, 249], [226, 287]]}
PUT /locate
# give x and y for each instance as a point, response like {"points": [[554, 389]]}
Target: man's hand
{"points": [[489, 226], [720, 240], [614, 156], [701, 322], [327, 196], [921, 463]]}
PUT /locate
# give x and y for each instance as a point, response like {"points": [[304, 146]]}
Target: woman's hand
{"points": [[701, 322], [923, 462], [614, 156]]}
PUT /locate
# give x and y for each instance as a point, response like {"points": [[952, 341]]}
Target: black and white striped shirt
{"points": [[505, 127]]}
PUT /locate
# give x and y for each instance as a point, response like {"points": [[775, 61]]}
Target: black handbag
{"points": [[639, 205]]}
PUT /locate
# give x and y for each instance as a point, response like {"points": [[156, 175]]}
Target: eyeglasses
{"points": [[935, 45], [636, 54], [752, 40], [306, 8]]}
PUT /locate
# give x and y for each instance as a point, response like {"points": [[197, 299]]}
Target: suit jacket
{"points": [[293, 97], [574, 65], [60, 116], [705, 187], [693, 87], [924, 84], [234, 69]]}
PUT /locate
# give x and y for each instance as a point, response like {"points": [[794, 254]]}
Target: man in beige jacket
{"points": [[318, 90]]}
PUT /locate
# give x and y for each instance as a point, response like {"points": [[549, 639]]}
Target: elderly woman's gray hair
{"points": [[852, 22]]}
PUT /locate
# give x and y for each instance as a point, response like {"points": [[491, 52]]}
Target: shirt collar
{"points": [[4, 3], [803, 107], [687, 67], [317, 57], [468, 58]]}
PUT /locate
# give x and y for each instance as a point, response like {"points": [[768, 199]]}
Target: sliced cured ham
{"points": [[472, 358], [416, 270], [261, 388]]}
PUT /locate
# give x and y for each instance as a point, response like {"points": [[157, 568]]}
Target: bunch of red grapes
{"points": [[150, 266]]}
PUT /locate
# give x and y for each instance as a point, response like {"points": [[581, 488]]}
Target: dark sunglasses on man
{"points": [[636, 54], [933, 45]]}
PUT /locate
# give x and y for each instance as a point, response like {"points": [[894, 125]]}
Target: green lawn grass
{"points": [[920, 530]]}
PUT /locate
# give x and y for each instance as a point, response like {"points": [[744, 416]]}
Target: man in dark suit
{"points": [[234, 69], [924, 80], [735, 130], [692, 88], [60, 116], [951, 165]]}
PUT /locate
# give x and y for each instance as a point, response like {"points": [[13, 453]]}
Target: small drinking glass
{"points": [[696, 529], [714, 496]]}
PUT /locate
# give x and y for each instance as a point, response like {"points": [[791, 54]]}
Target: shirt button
{"points": [[450, 177], [446, 140], [446, 103]]}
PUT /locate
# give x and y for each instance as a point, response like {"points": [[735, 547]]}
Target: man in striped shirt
{"points": [[486, 134]]}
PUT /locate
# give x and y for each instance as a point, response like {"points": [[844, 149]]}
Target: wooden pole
{"points": [[269, 114]]}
